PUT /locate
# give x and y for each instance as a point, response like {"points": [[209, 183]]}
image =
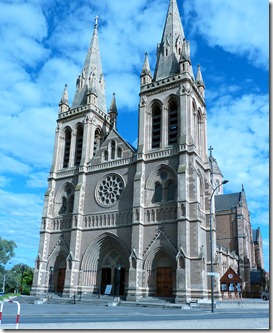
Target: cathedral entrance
{"points": [[61, 278], [119, 281], [105, 278], [164, 282]]}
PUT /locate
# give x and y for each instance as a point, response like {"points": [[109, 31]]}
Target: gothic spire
{"points": [[199, 79], [63, 105], [113, 112], [169, 50], [92, 69], [146, 75]]}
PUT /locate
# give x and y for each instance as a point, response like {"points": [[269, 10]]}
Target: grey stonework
{"points": [[103, 212]]}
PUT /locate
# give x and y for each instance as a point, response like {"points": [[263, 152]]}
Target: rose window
{"points": [[109, 190]]}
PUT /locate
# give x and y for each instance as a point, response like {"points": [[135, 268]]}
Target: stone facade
{"points": [[136, 219]]}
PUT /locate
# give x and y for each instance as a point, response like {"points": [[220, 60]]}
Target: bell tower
{"points": [[172, 146]]}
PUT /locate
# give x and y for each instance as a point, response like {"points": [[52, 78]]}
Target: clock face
{"points": [[230, 276]]}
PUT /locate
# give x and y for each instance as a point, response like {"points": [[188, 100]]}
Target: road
{"points": [[70, 316]]}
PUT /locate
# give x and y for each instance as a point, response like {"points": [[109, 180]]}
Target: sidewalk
{"points": [[247, 303]]}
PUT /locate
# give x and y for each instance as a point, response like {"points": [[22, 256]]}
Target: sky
{"points": [[43, 47]]}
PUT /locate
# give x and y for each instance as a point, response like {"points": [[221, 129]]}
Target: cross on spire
{"points": [[210, 149]]}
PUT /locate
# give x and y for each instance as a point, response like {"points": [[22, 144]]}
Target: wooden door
{"points": [[164, 282], [61, 278]]}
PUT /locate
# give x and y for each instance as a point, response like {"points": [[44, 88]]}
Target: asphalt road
{"points": [[70, 316]]}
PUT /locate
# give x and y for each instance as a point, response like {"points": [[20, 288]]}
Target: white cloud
{"points": [[11, 165], [37, 180], [242, 151], [230, 25]]}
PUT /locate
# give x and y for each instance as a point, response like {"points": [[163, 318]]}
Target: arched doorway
{"points": [[99, 264], [58, 277], [160, 266], [112, 273]]}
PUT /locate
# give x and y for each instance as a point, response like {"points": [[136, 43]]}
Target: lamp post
{"points": [[211, 257]]}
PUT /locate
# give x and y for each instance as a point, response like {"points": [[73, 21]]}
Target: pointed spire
{"points": [[169, 50], [113, 112], [91, 76], [146, 75], [200, 82], [64, 98], [113, 107], [64, 106], [199, 79]]}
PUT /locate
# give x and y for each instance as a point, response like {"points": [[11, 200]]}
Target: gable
{"points": [[113, 148], [230, 276]]}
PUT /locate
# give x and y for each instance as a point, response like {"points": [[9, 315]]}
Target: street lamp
{"points": [[211, 258]]}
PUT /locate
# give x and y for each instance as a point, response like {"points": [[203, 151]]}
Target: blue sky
{"points": [[43, 47]]}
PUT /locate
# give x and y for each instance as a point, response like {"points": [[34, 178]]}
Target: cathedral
{"points": [[134, 222]]}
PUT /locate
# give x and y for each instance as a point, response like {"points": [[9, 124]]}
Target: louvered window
{"points": [[173, 122], [67, 148], [156, 126], [78, 149]]}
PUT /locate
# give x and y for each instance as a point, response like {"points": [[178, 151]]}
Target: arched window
{"points": [[156, 125], [67, 146], [113, 150], [170, 191], [63, 207], [70, 205], [97, 141], [199, 133], [78, 148], [173, 122], [158, 193], [67, 201], [119, 152]]}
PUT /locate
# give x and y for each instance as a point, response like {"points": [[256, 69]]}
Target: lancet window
{"points": [[156, 125], [67, 147], [78, 148]]}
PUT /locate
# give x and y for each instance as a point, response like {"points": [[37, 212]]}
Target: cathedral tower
{"points": [[172, 183]]}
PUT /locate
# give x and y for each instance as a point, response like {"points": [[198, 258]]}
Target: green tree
{"points": [[19, 276], [6, 250]]}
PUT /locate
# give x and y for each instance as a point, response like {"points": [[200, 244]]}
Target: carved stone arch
{"points": [[106, 251], [77, 125], [157, 252], [169, 98], [64, 129], [160, 257], [65, 191], [153, 102], [98, 139], [157, 177], [194, 106]]}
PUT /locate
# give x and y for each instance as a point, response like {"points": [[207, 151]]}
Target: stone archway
{"points": [[160, 268], [99, 263]]}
